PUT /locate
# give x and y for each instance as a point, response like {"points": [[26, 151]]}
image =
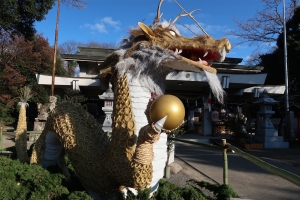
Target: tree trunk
{"points": [[21, 135]]}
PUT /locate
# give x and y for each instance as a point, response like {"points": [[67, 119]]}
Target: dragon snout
{"points": [[224, 48], [227, 45]]}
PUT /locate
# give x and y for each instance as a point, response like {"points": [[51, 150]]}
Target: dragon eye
{"points": [[173, 33]]}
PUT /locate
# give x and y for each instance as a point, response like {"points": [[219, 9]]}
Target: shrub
{"points": [[5, 116], [222, 192], [168, 190], [23, 181]]}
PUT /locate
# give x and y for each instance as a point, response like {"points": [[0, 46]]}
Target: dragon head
{"points": [[195, 54], [163, 48]]}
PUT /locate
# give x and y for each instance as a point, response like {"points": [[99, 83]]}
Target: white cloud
{"points": [[111, 22], [239, 46], [98, 27], [103, 25]]}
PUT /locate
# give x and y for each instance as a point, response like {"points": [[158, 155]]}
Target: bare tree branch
{"points": [[265, 26], [189, 14]]}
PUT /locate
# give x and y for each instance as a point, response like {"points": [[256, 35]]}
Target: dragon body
{"points": [[136, 153]]}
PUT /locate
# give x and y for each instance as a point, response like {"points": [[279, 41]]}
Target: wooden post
{"points": [[1, 128], [225, 167], [55, 48]]}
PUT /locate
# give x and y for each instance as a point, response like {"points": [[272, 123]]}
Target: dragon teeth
{"points": [[177, 52], [222, 53], [205, 54]]}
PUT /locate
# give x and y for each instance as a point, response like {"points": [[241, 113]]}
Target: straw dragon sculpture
{"points": [[135, 154]]}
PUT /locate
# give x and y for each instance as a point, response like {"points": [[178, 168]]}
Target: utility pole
{"points": [[289, 117], [55, 48]]}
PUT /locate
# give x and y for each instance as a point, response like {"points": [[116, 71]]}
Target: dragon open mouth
{"points": [[204, 57], [196, 60]]}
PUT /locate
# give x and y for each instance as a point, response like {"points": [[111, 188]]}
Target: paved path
{"points": [[8, 140], [247, 179]]}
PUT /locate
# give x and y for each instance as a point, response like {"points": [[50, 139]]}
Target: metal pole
{"points": [[225, 167], [288, 127], [285, 62], [55, 48]]}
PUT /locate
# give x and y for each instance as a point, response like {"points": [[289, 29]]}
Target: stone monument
{"points": [[43, 111], [265, 131], [108, 97]]}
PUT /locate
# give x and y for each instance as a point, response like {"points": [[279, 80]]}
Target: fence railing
{"points": [[291, 177]]}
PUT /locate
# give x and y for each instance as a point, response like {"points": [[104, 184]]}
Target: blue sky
{"points": [[109, 20]]}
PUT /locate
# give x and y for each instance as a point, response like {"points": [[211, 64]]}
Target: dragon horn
{"points": [[188, 14], [158, 15]]}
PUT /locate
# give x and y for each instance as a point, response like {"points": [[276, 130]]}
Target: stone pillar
{"points": [[108, 97]]}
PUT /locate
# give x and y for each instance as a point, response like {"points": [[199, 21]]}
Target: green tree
{"points": [[18, 17], [5, 116], [20, 61]]}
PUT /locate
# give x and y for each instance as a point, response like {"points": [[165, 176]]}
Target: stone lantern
{"points": [[265, 132], [108, 97]]}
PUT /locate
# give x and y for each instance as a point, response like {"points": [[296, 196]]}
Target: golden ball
{"points": [[167, 105]]}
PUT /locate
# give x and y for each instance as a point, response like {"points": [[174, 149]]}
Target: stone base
{"points": [[279, 145], [175, 168], [270, 139]]}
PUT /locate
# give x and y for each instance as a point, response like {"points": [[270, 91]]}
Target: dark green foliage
{"points": [[23, 181], [5, 116], [168, 191], [40, 93], [225, 192], [222, 192], [79, 195], [19, 16], [74, 95]]}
